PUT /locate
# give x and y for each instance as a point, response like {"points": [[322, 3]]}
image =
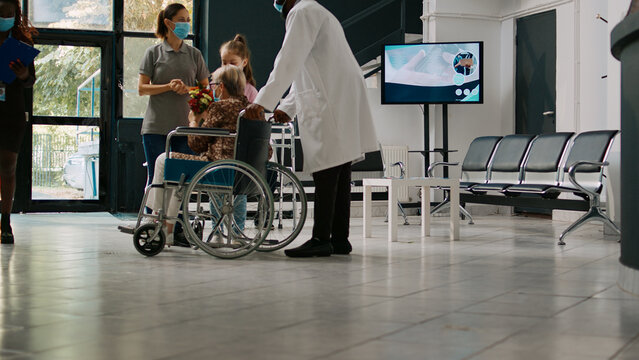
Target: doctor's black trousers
{"points": [[332, 211]]}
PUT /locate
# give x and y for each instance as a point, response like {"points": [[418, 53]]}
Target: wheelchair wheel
{"points": [[146, 241], [289, 203], [234, 203]]}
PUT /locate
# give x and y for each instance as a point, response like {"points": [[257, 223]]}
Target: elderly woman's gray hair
{"points": [[233, 79]]}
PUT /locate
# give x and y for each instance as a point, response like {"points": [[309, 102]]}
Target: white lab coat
{"points": [[328, 92]]}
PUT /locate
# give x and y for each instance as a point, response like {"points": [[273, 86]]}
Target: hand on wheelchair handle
{"points": [[280, 117], [254, 112]]}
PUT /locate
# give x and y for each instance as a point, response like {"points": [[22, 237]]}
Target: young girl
{"points": [[236, 52]]}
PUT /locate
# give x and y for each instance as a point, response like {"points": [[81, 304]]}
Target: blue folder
{"points": [[11, 50]]}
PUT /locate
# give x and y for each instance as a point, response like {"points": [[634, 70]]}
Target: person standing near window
{"points": [[167, 71], [12, 109]]}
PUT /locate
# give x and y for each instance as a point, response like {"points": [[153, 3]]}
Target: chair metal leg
{"points": [[444, 205], [401, 209], [467, 214], [606, 220], [439, 207], [594, 213]]}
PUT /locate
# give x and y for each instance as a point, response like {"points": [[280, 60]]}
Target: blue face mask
{"points": [[278, 7], [6, 24], [182, 30], [215, 97]]}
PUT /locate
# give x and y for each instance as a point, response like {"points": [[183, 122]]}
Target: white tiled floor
{"points": [[73, 287]]}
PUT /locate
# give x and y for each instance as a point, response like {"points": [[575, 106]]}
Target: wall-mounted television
{"points": [[433, 73]]}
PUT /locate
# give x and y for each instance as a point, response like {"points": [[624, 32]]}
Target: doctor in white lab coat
{"points": [[328, 94]]}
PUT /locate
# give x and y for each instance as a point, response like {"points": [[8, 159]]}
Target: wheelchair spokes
{"points": [[149, 239], [290, 207], [239, 207]]}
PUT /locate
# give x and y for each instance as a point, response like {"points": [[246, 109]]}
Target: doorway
{"points": [[536, 71], [536, 68], [61, 166]]}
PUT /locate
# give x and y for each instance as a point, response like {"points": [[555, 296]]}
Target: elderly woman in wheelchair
{"points": [[222, 187]]}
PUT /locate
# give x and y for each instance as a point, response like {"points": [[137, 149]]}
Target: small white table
{"points": [[425, 184]]}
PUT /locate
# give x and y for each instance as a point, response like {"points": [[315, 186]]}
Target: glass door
{"points": [[74, 155], [66, 133], [67, 122]]}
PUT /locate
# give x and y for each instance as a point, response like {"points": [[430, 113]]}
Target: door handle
{"points": [[548, 113]]}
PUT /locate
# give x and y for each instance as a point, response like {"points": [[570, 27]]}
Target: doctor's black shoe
{"points": [[342, 247], [7, 238], [313, 247]]}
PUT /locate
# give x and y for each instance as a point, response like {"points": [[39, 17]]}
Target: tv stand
{"points": [[443, 151]]}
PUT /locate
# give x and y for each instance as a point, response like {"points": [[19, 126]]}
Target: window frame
{"points": [[111, 108]]}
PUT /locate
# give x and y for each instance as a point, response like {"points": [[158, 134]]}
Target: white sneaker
{"points": [[168, 237]]}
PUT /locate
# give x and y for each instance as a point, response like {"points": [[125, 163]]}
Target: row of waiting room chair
{"points": [[546, 165]]}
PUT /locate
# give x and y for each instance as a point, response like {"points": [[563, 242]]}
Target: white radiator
{"points": [[391, 154]]}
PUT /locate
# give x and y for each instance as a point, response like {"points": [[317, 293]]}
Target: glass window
{"points": [[68, 81], [134, 105], [72, 14], [134, 48], [141, 15], [65, 162]]}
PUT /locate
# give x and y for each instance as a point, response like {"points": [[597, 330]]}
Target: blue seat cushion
{"points": [[175, 168]]}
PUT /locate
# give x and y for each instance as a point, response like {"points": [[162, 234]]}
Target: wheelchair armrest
{"points": [[573, 169], [186, 130], [402, 169], [432, 166]]}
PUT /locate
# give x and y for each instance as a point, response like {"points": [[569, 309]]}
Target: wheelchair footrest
{"points": [[225, 246]]}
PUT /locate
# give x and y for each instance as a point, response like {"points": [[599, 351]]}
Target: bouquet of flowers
{"points": [[201, 97]]}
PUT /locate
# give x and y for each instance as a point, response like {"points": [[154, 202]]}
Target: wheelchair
{"points": [[227, 206], [290, 206]]}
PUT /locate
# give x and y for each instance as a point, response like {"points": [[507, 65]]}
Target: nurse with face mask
{"points": [[167, 70], [13, 122], [328, 95]]}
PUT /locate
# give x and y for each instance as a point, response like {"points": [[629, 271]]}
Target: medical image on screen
{"points": [[432, 73], [465, 63]]}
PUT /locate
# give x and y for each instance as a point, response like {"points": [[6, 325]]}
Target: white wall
{"points": [[466, 122], [593, 54], [585, 101], [519, 8], [507, 76], [567, 69], [615, 13], [399, 125]]}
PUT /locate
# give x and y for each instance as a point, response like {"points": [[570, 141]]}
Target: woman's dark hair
{"points": [[22, 28], [239, 47], [169, 12]]}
